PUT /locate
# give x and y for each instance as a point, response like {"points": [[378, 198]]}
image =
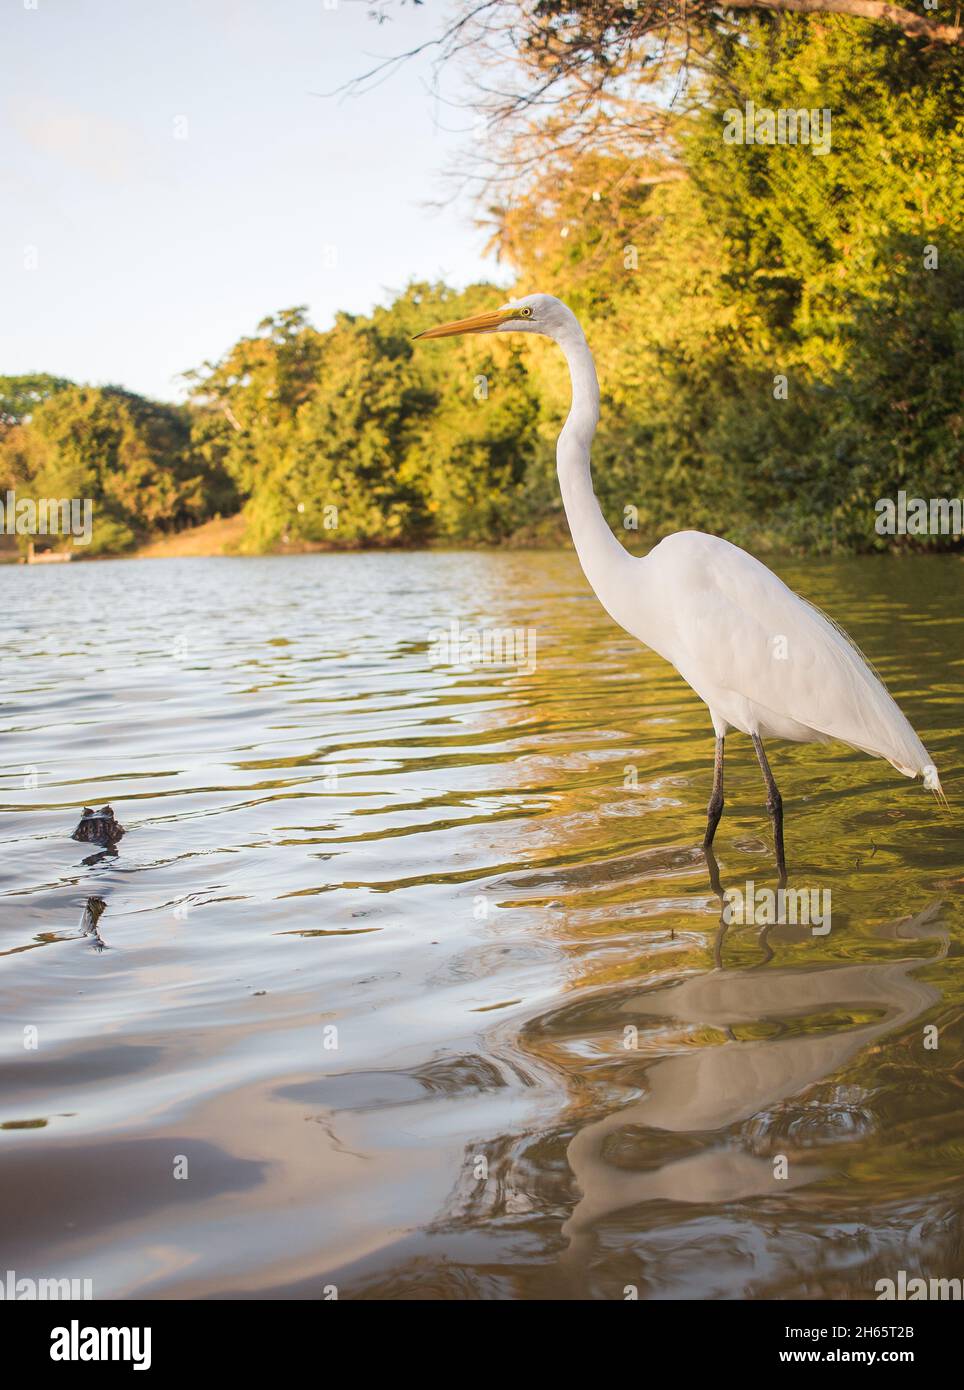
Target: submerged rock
{"points": [[98, 827]]}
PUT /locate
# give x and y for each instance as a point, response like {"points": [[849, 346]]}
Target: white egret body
{"points": [[764, 661]]}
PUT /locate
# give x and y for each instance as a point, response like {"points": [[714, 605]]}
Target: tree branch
{"points": [[914, 25]]}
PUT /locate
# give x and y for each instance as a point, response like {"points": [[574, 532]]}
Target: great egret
{"points": [[763, 660]]}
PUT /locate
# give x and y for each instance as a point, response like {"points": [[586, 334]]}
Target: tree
{"points": [[130, 456], [20, 395], [548, 80], [353, 437], [840, 275]]}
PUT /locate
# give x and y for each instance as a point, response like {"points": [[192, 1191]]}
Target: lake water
{"points": [[410, 978]]}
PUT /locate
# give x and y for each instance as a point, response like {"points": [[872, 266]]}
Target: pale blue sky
{"points": [[154, 252]]}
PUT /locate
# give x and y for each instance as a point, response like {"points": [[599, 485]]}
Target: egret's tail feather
{"points": [[933, 784]]}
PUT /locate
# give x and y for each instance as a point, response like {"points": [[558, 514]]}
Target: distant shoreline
{"points": [[223, 537]]}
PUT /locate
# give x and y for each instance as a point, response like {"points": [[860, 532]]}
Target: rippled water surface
{"points": [[411, 980]]}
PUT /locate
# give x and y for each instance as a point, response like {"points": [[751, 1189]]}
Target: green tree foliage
{"points": [[20, 395], [841, 272], [358, 436], [847, 268], [131, 456]]}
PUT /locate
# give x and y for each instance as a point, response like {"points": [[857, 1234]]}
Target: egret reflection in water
{"points": [[711, 1089]]}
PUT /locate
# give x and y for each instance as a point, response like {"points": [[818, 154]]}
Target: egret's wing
{"points": [[740, 628]]}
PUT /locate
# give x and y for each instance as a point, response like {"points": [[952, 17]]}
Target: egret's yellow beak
{"points": [[479, 323]]}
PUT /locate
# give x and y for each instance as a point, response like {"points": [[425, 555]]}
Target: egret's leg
{"points": [[715, 809], [774, 805], [720, 892], [714, 868]]}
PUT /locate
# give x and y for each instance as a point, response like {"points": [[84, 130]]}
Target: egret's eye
{"points": [[525, 313]]}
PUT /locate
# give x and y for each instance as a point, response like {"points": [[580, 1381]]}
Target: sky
{"points": [[171, 175]]}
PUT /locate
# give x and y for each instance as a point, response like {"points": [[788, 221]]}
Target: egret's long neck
{"points": [[603, 559]]}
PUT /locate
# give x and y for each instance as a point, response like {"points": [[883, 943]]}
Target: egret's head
{"points": [[535, 313]]}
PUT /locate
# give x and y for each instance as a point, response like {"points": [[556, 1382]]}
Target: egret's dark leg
{"points": [[774, 805], [715, 809], [714, 868], [720, 892]]}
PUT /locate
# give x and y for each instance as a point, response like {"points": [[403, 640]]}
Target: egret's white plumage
{"points": [[765, 662], [763, 659]]}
